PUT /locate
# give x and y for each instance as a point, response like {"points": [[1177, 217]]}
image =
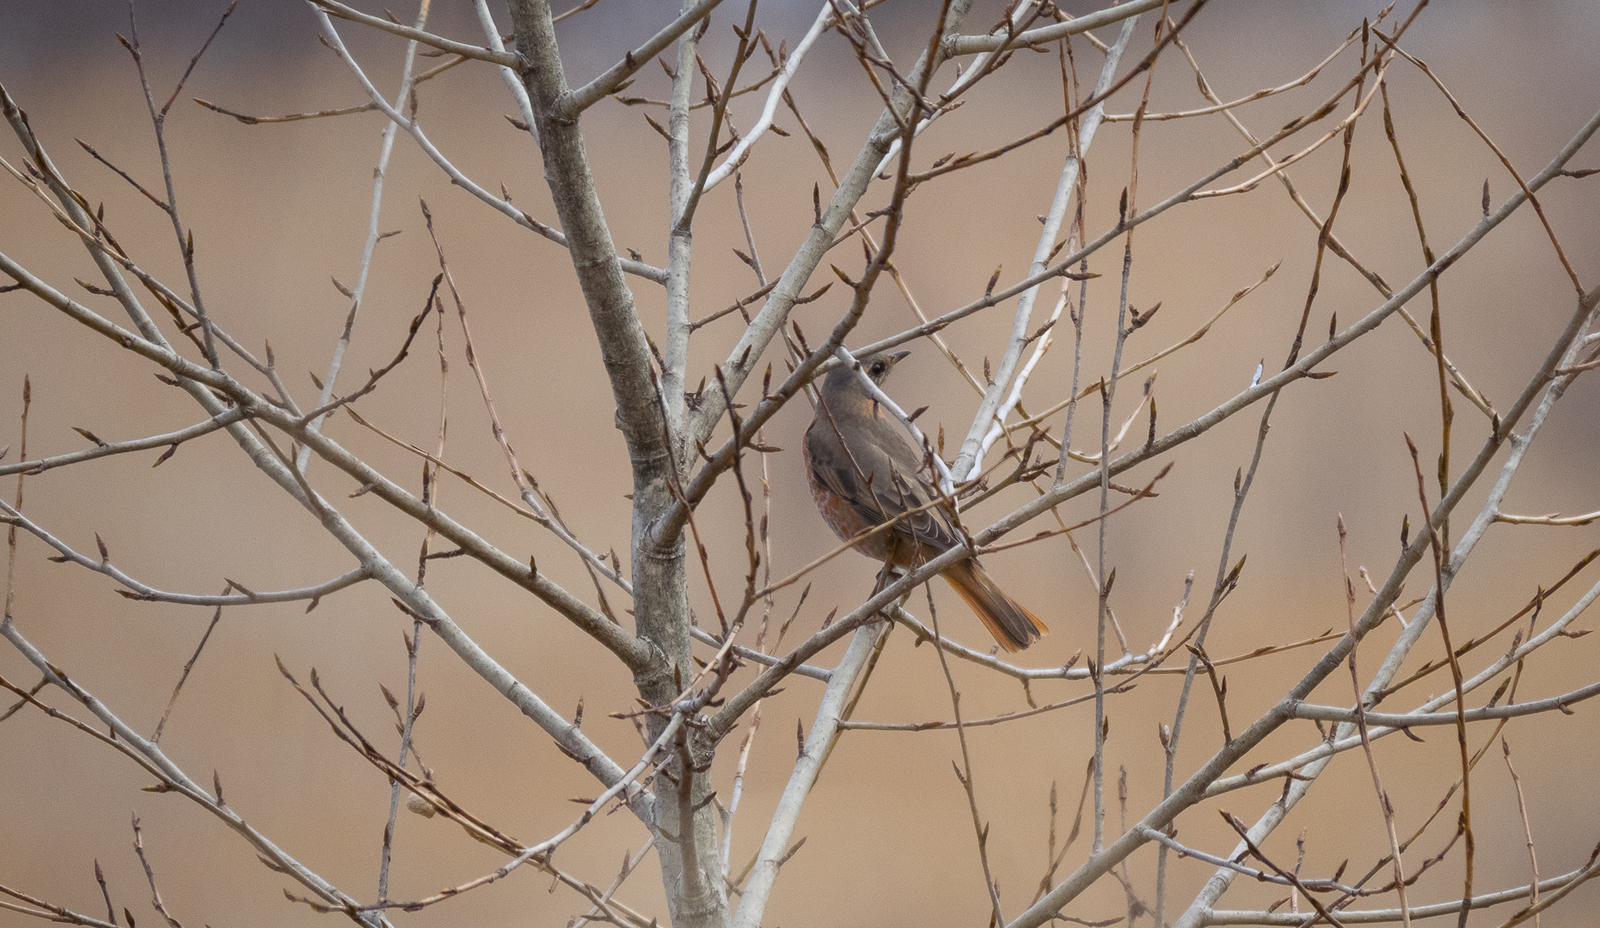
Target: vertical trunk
{"points": [[686, 833]]}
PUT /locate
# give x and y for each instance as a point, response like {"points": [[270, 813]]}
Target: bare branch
{"points": [[168, 440], [972, 44], [335, 8], [572, 102], [1566, 881]]}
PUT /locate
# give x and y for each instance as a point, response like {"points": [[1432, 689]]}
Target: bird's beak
{"points": [[899, 356]]}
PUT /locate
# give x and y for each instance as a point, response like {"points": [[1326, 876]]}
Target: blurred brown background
{"points": [[276, 210]]}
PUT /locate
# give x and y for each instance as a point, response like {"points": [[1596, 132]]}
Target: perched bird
{"points": [[863, 473]]}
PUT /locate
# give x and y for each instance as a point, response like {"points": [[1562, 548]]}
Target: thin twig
{"points": [[1385, 807], [964, 773]]}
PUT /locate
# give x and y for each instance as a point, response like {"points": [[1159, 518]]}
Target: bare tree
{"points": [[706, 616]]}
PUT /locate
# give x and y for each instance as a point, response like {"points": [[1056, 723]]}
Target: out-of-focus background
{"points": [[278, 210]]}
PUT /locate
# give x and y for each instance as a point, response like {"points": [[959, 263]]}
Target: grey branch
{"points": [[1346, 740], [1193, 789], [972, 44], [1260, 876], [637, 268], [823, 730], [374, 211], [757, 657], [151, 757], [852, 186], [631, 650], [169, 439], [142, 591], [544, 848], [1409, 719], [504, 59], [989, 412], [573, 102], [1386, 916]]}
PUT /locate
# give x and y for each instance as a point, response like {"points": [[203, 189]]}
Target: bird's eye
{"points": [[878, 367]]}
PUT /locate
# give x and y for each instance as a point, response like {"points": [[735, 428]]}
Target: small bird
{"points": [[863, 473]]}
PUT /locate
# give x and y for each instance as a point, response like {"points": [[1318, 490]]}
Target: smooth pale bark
{"points": [[660, 595]]}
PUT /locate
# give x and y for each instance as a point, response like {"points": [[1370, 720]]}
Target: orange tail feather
{"points": [[1011, 624]]}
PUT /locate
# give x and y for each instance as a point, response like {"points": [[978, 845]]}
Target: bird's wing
{"points": [[880, 479]]}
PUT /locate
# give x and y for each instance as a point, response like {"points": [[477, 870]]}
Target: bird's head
{"points": [[878, 366]]}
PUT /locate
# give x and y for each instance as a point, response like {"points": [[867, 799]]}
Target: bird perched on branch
{"points": [[863, 474]]}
